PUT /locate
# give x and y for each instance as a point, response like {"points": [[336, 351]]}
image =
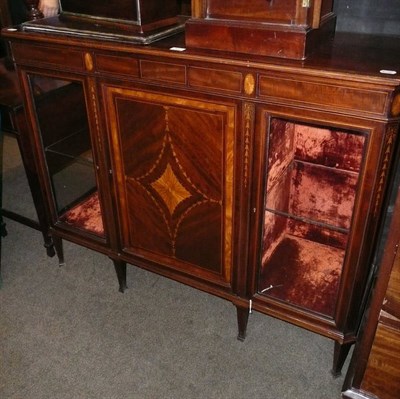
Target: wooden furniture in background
{"points": [[5, 20], [140, 21], [33, 11], [279, 28], [257, 179], [374, 371], [13, 122]]}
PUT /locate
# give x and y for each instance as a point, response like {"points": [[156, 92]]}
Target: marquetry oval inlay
{"points": [[89, 62], [249, 84]]}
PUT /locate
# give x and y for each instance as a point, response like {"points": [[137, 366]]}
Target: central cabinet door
{"points": [[173, 166]]}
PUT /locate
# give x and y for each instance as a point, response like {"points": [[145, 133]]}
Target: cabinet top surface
{"points": [[355, 55]]}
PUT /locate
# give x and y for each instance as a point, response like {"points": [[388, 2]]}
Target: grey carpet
{"points": [[67, 333]]}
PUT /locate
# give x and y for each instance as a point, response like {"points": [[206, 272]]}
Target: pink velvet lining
{"points": [[296, 274], [86, 215], [311, 188]]}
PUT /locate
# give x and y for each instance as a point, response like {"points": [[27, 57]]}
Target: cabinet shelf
{"points": [[307, 220], [70, 162], [296, 274], [75, 147]]}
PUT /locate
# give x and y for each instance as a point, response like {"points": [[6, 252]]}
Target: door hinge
{"points": [[306, 3]]}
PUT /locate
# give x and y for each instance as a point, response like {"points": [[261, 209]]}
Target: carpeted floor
{"points": [[67, 333]]}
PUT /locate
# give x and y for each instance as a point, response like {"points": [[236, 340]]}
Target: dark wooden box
{"points": [[137, 21], [142, 12], [281, 28]]}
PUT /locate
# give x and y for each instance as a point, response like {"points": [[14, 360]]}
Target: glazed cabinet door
{"points": [[318, 200], [173, 166], [63, 141]]}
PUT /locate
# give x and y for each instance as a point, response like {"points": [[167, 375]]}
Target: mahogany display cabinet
{"points": [[257, 179]]}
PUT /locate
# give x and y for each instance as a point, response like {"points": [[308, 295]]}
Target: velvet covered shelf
{"points": [[86, 215]]}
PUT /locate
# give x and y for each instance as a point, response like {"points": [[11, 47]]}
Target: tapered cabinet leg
{"points": [[3, 228], [3, 233], [31, 173], [242, 318], [340, 354], [58, 245], [49, 245], [120, 269]]}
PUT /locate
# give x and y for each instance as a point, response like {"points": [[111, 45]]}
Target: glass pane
{"points": [[63, 124], [312, 178]]}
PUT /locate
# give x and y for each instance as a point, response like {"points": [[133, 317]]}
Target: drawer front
{"points": [[323, 94], [128, 66], [59, 58], [163, 72], [216, 80]]}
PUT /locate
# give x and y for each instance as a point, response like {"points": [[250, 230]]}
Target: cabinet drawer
{"points": [[212, 79], [117, 65], [163, 72], [323, 94], [64, 58]]}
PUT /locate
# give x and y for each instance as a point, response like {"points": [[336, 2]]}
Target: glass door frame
{"points": [[362, 231], [38, 150]]}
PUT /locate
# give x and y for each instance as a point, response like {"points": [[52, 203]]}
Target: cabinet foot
{"points": [[49, 245], [340, 354], [242, 318], [58, 245], [120, 269], [3, 229]]}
